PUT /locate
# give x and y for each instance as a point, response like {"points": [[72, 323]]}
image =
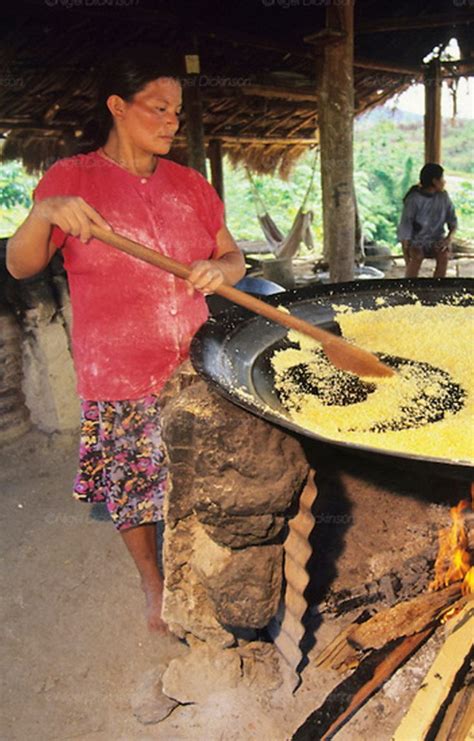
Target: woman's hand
{"points": [[71, 213], [206, 276]]}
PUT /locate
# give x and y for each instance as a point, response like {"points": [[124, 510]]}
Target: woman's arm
{"points": [[30, 249], [227, 265]]}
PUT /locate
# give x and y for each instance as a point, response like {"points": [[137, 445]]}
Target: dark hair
{"points": [[429, 172], [125, 74]]}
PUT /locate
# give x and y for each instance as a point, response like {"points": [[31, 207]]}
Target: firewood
{"points": [[438, 682], [379, 673], [455, 716], [463, 730], [403, 619], [384, 671]]}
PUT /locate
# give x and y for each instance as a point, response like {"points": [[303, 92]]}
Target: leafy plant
{"points": [[15, 186]]}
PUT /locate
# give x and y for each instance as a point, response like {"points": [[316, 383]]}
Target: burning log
{"points": [[415, 621], [405, 619], [437, 684], [453, 560]]}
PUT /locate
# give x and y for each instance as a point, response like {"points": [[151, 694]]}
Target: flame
{"points": [[468, 583], [453, 562]]}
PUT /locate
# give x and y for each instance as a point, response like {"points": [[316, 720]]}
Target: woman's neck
{"points": [[124, 154]]}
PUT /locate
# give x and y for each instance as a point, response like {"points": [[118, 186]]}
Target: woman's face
{"points": [[151, 119]]}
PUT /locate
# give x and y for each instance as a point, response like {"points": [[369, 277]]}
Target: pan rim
{"points": [[230, 322]]}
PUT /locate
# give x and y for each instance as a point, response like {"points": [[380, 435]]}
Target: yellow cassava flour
{"points": [[425, 409]]}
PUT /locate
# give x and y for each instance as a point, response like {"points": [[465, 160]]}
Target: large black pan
{"points": [[233, 350]]}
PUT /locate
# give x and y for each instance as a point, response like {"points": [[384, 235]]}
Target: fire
{"points": [[468, 583], [453, 562]]}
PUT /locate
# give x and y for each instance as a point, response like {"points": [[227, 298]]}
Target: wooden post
{"points": [[433, 81], [335, 115], [359, 253], [193, 111], [217, 173]]}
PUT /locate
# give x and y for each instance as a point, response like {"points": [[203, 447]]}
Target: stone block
{"points": [[239, 531], [49, 382], [242, 466], [186, 605], [205, 670], [244, 586]]}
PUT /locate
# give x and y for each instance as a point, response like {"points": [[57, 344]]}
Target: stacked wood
{"points": [[403, 619], [438, 682], [378, 647]]}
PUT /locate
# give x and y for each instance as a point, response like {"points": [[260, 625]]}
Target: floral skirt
{"points": [[121, 460]]}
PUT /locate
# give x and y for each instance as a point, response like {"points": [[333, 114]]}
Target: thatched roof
{"points": [[258, 67]]}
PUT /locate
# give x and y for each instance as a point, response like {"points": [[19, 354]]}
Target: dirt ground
{"points": [[76, 648], [75, 641]]}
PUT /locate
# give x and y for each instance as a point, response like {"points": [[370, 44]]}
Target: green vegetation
{"points": [[282, 199], [388, 156], [15, 196]]}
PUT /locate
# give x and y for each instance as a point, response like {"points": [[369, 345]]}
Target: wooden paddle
{"points": [[341, 353]]}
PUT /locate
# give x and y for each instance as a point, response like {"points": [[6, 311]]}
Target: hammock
{"points": [[300, 230]]}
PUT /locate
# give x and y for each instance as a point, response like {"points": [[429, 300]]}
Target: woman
{"points": [[132, 323], [426, 209]]}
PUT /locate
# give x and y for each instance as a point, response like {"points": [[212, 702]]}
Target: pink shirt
{"points": [[132, 322]]}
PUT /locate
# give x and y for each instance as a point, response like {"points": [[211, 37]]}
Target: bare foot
{"points": [[154, 602]]}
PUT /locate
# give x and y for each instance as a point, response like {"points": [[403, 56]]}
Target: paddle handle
{"points": [[232, 294]]}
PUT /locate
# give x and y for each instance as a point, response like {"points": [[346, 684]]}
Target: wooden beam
{"points": [[325, 37], [192, 104], [465, 66], [408, 23], [269, 140], [306, 121], [29, 125], [233, 116], [257, 42], [259, 140], [387, 67], [335, 118], [282, 121], [274, 91], [432, 119], [217, 173]]}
